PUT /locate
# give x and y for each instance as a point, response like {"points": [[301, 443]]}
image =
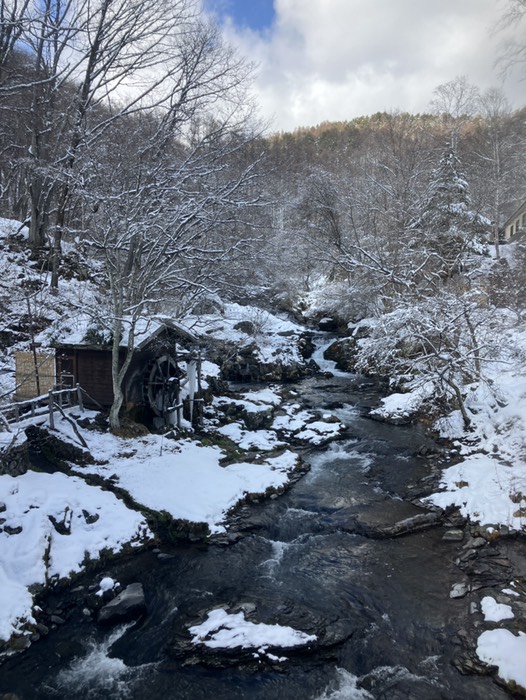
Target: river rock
{"points": [[343, 352], [128, 605], [422, 521], [459, 590], [13, 529]]}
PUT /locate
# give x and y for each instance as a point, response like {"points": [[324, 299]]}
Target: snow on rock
{"points": [[401, 408], [106, 584], [505, 650], [493, 611], [222, 630], [303, 425], [262, 440], [52, 524]]}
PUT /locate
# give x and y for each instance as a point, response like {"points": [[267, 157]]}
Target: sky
{"points": [[330, 60]]}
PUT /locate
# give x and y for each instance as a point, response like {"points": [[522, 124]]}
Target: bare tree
{"points": [[513, 52], [164, 203], [498, 149], [455, 101]]}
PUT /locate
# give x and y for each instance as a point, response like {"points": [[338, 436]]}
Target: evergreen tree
{"points": [[448, 229]]}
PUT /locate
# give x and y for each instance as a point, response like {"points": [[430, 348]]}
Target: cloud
{"points": [[325, 60]]}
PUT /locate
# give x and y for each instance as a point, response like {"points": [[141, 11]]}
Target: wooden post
{"points": [[51, 416], [178, 403], [79, 397], [199, 392]]}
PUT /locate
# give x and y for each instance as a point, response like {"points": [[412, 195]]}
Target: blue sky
{"points": [[257, 15], [330, 60]]}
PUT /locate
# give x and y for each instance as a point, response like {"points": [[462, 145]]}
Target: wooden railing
{"points": [[42, 406]]}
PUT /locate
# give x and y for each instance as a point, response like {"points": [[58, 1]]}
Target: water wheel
{"points": [[161, 383]]}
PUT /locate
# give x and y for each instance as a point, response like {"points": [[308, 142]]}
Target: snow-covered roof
{"points": [[146, 329]]}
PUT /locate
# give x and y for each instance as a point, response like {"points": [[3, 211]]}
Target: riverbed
{"points": [[306, 559]]}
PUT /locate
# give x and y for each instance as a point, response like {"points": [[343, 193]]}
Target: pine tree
{"points": [[449, 229]]}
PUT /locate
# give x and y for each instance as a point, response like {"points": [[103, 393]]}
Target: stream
{"points": [[305, 555]]}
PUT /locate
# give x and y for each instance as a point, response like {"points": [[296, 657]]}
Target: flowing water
{"points": [[305, 555]]}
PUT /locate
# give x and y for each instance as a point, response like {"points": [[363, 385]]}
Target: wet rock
{"points": [[306, 346], [453, 536], [329, 324], [20, 643], [459, 590], [56, 620], [128, 605], [343, 353], [471, 664], [163, 556], [90, 519], [13, 530], [422, 521]]}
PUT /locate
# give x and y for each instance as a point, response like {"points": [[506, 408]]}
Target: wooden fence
{"points": [[43, 407]]}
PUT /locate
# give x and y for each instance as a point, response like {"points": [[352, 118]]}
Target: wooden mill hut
{"points": [[162, 351]]}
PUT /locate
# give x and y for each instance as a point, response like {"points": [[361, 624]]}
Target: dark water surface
{"points": [[305, 553]]}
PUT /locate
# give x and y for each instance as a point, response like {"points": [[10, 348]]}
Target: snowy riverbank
{"points": [[54, 523]]}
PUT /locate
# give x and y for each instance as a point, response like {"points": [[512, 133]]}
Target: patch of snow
{"points": [[263, 440], [106, 584], [41, 551], [222, 630], [510, 591], [505, 650], [493, 611]]}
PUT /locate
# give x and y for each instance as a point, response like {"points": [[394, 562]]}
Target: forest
{"points": [[130, 149], [343, 461]]}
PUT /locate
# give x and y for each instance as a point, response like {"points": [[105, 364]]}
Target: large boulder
{"points": [[128, 605], [344, 353]]}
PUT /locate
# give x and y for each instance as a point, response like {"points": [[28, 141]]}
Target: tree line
{"points": [[128, 137]]}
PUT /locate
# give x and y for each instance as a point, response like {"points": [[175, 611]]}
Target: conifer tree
{"points": [[449, 230]]}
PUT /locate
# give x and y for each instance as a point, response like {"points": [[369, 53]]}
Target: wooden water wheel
{"points": [[161, 384]]}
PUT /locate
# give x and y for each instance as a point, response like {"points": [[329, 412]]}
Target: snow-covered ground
{"points": [[52, 523]]}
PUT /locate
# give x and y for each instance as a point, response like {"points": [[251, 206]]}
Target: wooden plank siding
{"points": [[91, 368]]}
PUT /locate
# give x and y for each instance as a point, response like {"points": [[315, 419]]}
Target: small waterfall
{"points": [[322, 343]]}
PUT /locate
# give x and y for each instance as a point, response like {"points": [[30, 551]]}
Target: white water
{"points": [[97, 674], [346, 688], [327, 365], [272, 563]]}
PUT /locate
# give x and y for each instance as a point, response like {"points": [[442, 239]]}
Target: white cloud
{"points": [[337, 59]]}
